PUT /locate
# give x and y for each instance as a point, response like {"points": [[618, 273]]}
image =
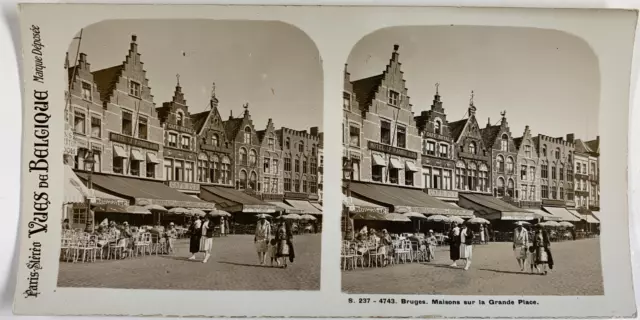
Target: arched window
{"points": [[287, 143], [510, 188], [180, 119], [252, 157], [214, 140], [438, 127], [247, 135], [243, 156], [544, 150], [504, 143], [500, 162], [569, 158], [500, 189], [510, 166], [226, 170], [301, 147], [253, 180], [242, 180], [472, 147], [557, 153]]}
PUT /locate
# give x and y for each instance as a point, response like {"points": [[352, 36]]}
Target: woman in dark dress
{"points": [[541, 245], [195, 235], [284, 245], [454, 245]]}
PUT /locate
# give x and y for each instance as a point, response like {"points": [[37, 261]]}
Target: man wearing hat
{"points": [[171, 235], [520, 244]]}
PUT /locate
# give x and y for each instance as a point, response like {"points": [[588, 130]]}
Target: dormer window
{"points": [[134, 88], [472, 148], [504, 142], [180, 119], [394, 98], [346, 101], [86, 90], [247, 135], [437, 127], [214, 140]]}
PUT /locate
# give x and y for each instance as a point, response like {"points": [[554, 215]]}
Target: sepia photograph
{"points": [[471, 163], [193, 157]]}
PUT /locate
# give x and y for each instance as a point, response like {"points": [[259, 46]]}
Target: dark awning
{"points": [[405, 199], [233, 200], [145, 192], [493, 208]]}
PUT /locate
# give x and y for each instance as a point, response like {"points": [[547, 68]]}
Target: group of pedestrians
{"points": [[278, 247], [533, 253]]}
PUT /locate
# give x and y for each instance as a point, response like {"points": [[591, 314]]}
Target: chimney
{"points": [[571, 137], [133, 46], [314, 131], [488, 122], [598, 138], [395, 55], [230, 114]]}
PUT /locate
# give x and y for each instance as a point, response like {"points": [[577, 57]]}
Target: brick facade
{"points": [[528, 170], [300, 163]]}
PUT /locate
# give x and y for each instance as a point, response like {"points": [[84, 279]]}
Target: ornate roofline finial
{"points": [[503, 114], [178, 79], [437, 86], [471, 100], [213, 90]]}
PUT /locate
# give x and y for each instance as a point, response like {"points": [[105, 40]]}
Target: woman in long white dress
{"points": [[206, 241], [261, 239], [466, 246], [520, 244]]}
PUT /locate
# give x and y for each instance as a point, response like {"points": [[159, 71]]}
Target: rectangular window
{"points": [[385, 132], [168, 169], [287, 184], [297, 164], [178, 174], [446, 180], [142, 128], [313, 187], [532, 193], [523, 172], [554, 193], [553, 173], [313, 167], [79, 216], [287, 164], [532, 173], [376, 173], [437, 179], [523, 192], [272, 143], [527, 151], [96, 127], [510, 168], [186, 142], [544, 192], [266, 166], [544, 171], [305, 186], [408, 178], [274, 185], [266, 183], [431, 148], [297, 185], [394, 98], [561, 195], [561, 173], [127, 123], [274, 168], [134, 88], [346, 101], [118, 164], [354, 136], [135, 167], [304, 166], [173, 140], [402, 137], [393, 175], [151, 170], [86, 91], [355, 164], [427, 177], [577, 168], [444, 151], [79, 122]]}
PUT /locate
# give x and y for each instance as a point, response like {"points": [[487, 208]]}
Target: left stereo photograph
{"points": [[192, 157]]}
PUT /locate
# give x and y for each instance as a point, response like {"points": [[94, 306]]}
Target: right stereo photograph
{"points": [[471, 163]]}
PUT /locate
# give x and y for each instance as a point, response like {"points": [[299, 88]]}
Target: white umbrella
{"points": [[155, 207], [457, 220], [414, 215], [197, 212], [438, 218], [137, 210], [292, 216], [223, 213], [566, 224], [179, 211], [307, 217], [262, 216], [478, 220]]}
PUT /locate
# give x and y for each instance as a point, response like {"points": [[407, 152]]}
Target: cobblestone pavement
{"points": [[233, 266], [494, 271]]}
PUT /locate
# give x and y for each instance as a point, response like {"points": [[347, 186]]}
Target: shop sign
{"points": [[359, 209], [70, 145], [258, 209], [437, 136], [392, 150], [296, 196], [428, 161], [442, 193], [181, 185], [133, 141], [175, 203], [471, 156], [171, 126]]}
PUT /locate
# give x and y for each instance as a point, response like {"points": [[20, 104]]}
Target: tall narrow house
{"points": [[497, 138], [246, 148]]}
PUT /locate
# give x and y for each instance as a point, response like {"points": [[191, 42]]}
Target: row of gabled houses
{"points": [[231, 162], [430, 164]]}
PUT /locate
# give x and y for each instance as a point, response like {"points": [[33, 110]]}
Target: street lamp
{"points": [[347, 171], [88, 166]]}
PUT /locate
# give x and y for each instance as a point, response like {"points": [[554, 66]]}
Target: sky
{"points": [[546, 79], [274, 67]]}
